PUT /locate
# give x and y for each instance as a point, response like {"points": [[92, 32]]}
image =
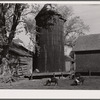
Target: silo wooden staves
{"points": [[50, 39]]}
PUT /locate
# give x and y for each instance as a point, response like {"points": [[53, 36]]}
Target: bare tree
{"points": [[13, 19], [74, 25], [74, 28], [9, 19]]}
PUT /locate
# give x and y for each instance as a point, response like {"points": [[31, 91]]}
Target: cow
{"points": [[52, 80]]}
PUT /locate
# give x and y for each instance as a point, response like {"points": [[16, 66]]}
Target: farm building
{"points": [[50, 39], [20, 59], [69, 64], [87, 53]]}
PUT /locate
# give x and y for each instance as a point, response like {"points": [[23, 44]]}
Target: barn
{"points": [[50, 40], [20, 59], [87, 53]]}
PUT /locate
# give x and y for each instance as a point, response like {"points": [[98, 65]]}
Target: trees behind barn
{"points": [[13, 17], [74, 25]]}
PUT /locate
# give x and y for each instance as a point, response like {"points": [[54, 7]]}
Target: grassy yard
{"points": [[91, 83]]}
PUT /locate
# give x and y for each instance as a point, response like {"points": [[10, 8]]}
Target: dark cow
{"points": [[78, 79], [52, 80]]}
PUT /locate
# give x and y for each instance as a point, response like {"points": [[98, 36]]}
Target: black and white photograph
{"points": [[46, 46]]}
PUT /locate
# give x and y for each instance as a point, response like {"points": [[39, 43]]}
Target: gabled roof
{"points": [[87, 43], [19, 49]]}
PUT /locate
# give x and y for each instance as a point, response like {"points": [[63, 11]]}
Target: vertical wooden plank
{"points": [[45, 51], [74, 62]]}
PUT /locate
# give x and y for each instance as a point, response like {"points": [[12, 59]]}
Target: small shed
{"points": [[87, 53], [23, 57], [20, 59], [69, 62]]}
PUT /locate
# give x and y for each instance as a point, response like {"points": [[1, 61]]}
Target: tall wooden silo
{"points": [[50, 39]]}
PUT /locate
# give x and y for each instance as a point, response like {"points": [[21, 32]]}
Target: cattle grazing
{"points": [[52, 80], [78, 80]]}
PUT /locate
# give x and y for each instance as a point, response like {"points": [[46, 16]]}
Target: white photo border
{"points": [[50, 94]]}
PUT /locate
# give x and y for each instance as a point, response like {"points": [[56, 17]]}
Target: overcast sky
{"points": [[90, 14]]}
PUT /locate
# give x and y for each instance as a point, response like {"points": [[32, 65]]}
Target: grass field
{"points": [[91, 83]]}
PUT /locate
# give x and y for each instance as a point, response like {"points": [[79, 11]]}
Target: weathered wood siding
{"points": [[25, 65], [20, 64], [51, 58], [88, 61]]}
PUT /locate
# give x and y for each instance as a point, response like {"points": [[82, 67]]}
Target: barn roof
{"points": [[19, 49], [87, 43]]}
